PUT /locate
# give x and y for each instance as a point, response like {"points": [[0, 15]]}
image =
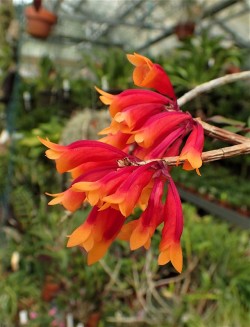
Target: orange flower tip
{"points": [[50, 194], [139, 239], [93, 198], [119, 117], [105, 131], [139, 138], [57, 198], [96, 253], [52, 154], [198, 172], [71, 242], [99, 90], [88, 244], [84, 186], [124, 209], [130, 58], [163, 258], [55, 201], [178, 267], [105, 97], [176, 256], [131, 139], [137, 59], [79, 235], [43, 141], [40, 139], [104, 206], [115, 199], [147, 244], [50, 144]]}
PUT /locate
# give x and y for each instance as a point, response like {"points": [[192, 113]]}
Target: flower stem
{"points": [[213, 155], [208, 86], [222, 134]]}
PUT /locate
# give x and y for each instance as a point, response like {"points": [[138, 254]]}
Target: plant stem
{"points": [[205, 87], [212, 155], [222, 134]]}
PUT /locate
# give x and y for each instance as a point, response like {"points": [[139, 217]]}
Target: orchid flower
{"points": [[192, 150], [111, 175], [148, 74]]}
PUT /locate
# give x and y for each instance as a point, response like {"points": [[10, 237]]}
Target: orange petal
{"points": [[85, 186], [127, 230], [138, 60], [51, 145], [79, 235], [57, 198], [147, 244], [105, 97], [176, 256], [93, 198], [164, 257], [53, 154], [97, 252], [139, 237], [88, 244]]}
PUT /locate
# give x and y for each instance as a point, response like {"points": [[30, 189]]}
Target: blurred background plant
{"points": [[213, 289]]}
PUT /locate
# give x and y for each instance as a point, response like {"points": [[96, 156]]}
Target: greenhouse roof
{"points": [[133, 25]]}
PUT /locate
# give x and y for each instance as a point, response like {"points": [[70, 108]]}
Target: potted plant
{"points": [[39, 20], [185, 28]]}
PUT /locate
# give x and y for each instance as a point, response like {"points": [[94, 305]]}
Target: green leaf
{"points": [[227, 121], [233, 129]]}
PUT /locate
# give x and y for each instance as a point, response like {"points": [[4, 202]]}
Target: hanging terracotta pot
{"points": [[39, 21], [184, 30]]}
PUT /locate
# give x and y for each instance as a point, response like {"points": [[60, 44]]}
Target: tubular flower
{"points": [[133, 191], [118, 140], [127, 98], [160, 149], [170, 248], [158, 127], [98, 188], [97, 233], [133, 117], [70, 199], [122, 189], [139, 232], [192, 150], [148, 74], [81, 154], [109, 174]]}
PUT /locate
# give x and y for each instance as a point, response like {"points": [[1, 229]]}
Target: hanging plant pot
{"points": [[233, 68], [39, 22], [184, 30]]}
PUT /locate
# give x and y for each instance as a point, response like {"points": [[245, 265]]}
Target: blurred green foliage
{"points": [[212, 290], [6, 51], [200, 59]]}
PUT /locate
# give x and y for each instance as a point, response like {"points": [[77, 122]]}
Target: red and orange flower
{"points": [[112, 177]]}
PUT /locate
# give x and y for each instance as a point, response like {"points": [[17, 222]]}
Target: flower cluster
{"points": [[122, 171]]}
